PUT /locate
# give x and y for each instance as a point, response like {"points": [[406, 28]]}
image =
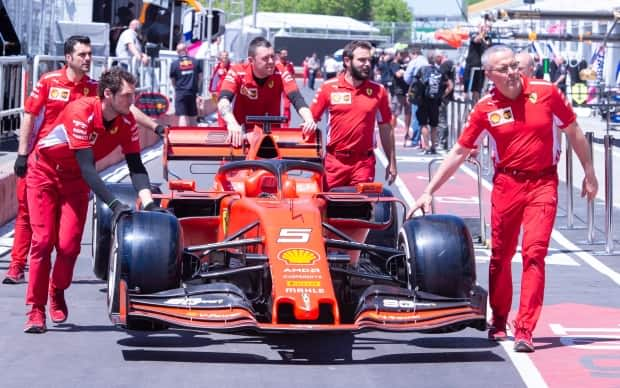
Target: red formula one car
{"points": [[263, 247]]}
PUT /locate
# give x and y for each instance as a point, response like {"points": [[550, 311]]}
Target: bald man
{"points": [[128, 45], [185, 74]]}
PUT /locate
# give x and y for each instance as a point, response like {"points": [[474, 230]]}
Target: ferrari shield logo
{"points": [[270, 84], [298, 256], [533, 98], [369, 91], [86, 91], [113, 130]]}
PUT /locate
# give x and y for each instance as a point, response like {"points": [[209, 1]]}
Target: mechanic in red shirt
{"points": [[285, 66], [255, 88], [519, 113], [354, 104], [61, 173], [219, 72], [49, 96]]}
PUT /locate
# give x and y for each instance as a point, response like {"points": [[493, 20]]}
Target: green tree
{"points": [[390, 11]]}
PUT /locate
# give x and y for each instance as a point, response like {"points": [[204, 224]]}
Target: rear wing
{"points": [[208, 144]]}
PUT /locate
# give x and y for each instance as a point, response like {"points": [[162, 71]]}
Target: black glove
{"points": [[160, 130], [118, 209], [21, 164], [153, 207]]}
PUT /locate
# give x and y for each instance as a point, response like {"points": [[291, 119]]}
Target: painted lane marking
{"points": [[119, 171], [599, 338]]}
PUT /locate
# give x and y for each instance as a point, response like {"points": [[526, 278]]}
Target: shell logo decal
{"points": [[495, 118], [298, 256]]}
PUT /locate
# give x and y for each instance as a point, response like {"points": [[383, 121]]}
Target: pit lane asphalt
{"points": [[88, 351]]}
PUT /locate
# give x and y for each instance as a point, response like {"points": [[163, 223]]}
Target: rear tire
{"points": [[439, 254], [146, 255]]}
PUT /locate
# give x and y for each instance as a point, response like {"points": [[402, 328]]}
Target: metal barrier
{"points": [[608, 141], [570, 203], [590, 210], [12, 84], [476, 163]]}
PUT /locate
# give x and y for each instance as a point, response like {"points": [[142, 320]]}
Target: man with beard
{"points": [[61, 173], [519, 113], [255, 88], [355, 104]]}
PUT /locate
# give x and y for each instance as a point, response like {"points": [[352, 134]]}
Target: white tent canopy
{"points": [[277, 20]]}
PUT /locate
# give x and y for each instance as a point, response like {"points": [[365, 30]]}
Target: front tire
{"points": [[146, 255], [102, 225]]}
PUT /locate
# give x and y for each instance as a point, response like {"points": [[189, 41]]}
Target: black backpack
{"points": [[415, 93], [428, 84]]}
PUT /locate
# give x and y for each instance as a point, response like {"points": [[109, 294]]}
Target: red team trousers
{"points": [[58, 203], [348, 169], [23, 233], [533, 204]]}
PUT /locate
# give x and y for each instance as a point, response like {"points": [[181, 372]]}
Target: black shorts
{"points": [[399, 104], [476, 83], [185, 105], [428, 113]]}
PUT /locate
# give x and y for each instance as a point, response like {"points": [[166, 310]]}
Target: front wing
{"points": [[223, 307]]}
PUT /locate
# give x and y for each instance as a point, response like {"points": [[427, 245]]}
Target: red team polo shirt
{"points": [[80, 126], [523, 130], [50, 96], [352, 113], [217, 78], [252, 98]]}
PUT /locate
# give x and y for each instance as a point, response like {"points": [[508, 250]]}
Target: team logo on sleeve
{"points": [[337, 98], [251, 93], [500, 116], [59, 94]]}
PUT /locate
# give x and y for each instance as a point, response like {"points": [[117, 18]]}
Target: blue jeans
{"points": [[415, 125]]}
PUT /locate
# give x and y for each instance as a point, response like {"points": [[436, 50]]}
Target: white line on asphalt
{"points": [[409, 200]]}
